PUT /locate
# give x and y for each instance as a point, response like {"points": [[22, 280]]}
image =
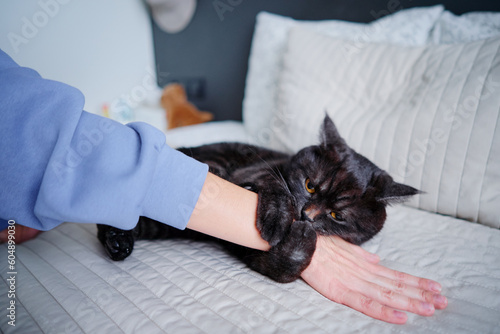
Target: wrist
{"points": [[227, 212]]}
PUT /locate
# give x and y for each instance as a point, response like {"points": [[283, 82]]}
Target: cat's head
{"points": [[341, 192]]}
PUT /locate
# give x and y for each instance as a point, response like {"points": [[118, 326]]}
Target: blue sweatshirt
{"points": [[59, 163]]}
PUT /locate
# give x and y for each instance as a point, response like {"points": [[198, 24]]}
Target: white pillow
{"points": [[467, 27], [428, 115], [406, 27]]}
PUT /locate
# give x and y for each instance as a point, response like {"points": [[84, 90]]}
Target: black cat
{"points": [[327, 189]]}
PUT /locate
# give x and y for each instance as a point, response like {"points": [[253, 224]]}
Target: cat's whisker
{"points": [[277, 175], [284, 182], [332, 189]]}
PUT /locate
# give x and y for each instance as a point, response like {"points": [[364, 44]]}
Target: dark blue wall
{"points": [[210, 56]]}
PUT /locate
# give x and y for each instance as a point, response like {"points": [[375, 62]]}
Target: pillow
{"points": [[428, 115], [406, 27], [467, 27]]}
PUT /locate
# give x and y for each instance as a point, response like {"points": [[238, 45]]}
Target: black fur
{"points": [[289, 216]]}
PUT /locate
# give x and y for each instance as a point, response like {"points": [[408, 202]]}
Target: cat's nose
{"points": [[310, 212]]}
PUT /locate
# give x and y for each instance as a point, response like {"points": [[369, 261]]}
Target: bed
{"points": [[417, 91]]}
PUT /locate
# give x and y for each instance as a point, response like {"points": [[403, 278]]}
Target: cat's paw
{"points": [[294, 253], [118, 244], [299, 244], [275, 213]]}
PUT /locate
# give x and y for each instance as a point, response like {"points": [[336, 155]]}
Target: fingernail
{"points": [[400, 315], [428, 307], [440, 300], [435, 287]]}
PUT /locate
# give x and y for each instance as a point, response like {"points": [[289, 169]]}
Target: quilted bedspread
{"points": [[66, 284]]}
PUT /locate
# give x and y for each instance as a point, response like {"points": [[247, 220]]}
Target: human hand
{"points": [[22, 234], [349, 275]]}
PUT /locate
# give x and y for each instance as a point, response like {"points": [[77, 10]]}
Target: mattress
{"points": [[66, 284], [208, 133]]}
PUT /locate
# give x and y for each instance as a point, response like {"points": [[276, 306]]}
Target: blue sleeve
{"points": [[59, 163]]}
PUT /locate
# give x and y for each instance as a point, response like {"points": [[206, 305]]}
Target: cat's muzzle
{"points": [[310, 212]]}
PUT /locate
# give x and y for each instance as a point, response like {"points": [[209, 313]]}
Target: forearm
{"points": [[60, 163], [228, 212]]}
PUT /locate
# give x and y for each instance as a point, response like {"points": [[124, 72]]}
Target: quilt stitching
{"points": [[469, 302], [454, 323], [460, 98], [131, 276], [448, 223], [487, 161], [436, 113], [237, 279], [145, 248], [459, 280], [457, 264], [18, 301], [55, 270], [260, 278], [489, 248], [282, 287], [192, 296], [175, 308], [490, 69]]}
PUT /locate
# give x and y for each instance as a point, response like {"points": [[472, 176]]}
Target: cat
{"points": [[325, 189]]}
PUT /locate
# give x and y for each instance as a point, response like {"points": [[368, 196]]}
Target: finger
{"points": [[407, 279], [400, 301], [372, 308], [401, 290], [22, 234], [399, 287]]}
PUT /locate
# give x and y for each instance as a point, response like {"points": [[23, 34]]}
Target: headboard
{"points": [[210, 56]]}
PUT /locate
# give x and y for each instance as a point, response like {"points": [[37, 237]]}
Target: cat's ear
{"points": [[397, 193], [329, 136], [390, 192]]}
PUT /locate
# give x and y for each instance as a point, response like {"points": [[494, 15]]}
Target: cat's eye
{"points": [[336, 216], [309, 187]]}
